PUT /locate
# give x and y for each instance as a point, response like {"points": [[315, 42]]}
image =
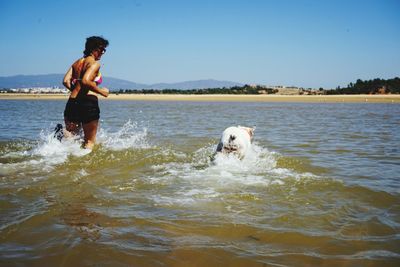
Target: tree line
{"points": [[376, 86], [239, 90]]}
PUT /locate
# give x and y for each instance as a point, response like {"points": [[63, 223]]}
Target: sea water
{"points": [[321, 186]]}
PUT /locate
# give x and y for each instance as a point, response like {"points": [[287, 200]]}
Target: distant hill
{"points": [[23, 81], [55, 80]]}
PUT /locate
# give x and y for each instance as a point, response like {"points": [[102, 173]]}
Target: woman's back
{"points": [[79, 68]]}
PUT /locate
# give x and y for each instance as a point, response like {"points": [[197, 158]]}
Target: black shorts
{"points": [[82, 110]]}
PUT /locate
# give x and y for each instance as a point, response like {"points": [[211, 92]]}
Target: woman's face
{"points": [[98, 52]]}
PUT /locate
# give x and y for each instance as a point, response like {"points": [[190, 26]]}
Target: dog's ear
{"points": [[253, 130], [249, 130], [220, 146]]}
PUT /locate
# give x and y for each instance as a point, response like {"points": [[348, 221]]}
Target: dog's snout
{"points": [[232, 138]]}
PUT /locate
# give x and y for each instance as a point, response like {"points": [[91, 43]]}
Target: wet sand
{"points": [[225, 98]]}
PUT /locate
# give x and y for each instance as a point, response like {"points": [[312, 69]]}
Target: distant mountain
{"points": [[55, 80], [115, 84], [23, 81]]}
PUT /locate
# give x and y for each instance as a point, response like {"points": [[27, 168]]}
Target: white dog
{"points": [[236, 140]]}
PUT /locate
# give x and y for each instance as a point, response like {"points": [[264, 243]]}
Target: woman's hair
{"points": [[94, 42]]}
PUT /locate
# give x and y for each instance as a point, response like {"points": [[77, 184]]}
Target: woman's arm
{"points": [[88, 78], [67, 79]]}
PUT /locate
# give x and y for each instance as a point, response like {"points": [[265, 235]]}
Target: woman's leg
{"points": [[72, 128], [90, 131]]}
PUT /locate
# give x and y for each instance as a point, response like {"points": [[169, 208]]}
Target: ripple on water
{"points": [[133, 195]]}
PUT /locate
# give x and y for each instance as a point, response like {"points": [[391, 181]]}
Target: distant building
{"points": [[40, 90]]}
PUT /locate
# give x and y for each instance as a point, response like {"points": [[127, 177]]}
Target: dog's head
{"points": [[236, 140]]}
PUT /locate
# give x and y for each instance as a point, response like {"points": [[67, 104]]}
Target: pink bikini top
{"points": [[98, 80]]}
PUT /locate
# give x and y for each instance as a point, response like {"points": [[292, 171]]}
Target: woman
{"points": [[82, 79]]}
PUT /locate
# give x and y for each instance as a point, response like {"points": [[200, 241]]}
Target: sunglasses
{"points": [[102, 50]]}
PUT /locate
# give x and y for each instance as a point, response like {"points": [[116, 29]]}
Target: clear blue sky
{"points": [[308, 43]]}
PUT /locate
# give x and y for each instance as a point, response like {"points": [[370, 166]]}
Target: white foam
{"points": [[80, 174], [190, 185], [54, 152]]}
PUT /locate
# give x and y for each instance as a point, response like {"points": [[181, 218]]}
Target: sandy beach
{"points": [[224, 98]]}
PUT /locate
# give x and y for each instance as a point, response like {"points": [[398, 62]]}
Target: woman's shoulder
{"points": [[79, 61], [84, 60], [91, 63]]}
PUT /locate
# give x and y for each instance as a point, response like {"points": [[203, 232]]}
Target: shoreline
{"points": [[221, 98]]}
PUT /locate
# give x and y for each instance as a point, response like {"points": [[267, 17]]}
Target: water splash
{"points": [[48, 152], [53, 152], [197, 183], [129, 136]]}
